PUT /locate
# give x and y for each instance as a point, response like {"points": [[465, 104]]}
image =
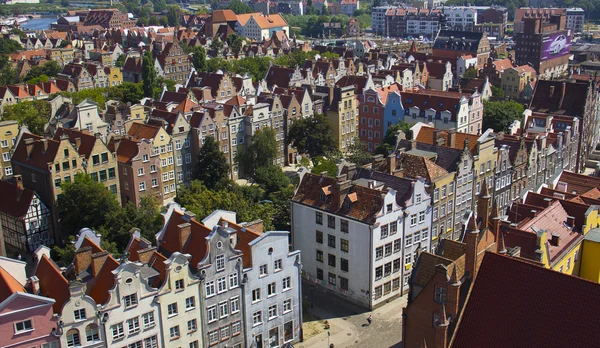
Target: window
{"points": [[344, 245], [319, 218], [130, 300], [378, 272], [236, 328], [331, 278], [379, 253], [257, 318], [440, 294], [79, 314], [220, 262], [397, 245], [148, 319], [174, 332], [233, 281], [287, 283], [421, 217], [190, 303], [319, 237], [387, 269], [73, 339], [256, 295], [133, 325], [331, 260], [319, 256], [344, 264], [211, 313], [179, 284], [224, 333], [142, 186], [221, 285], [287, 305], [194, 344], [152, 168], [213, 336], [272, 311], [388, 249], [117, 331], [271, 289], [278, 265], [384, 231], [172, 309], [319, 274], [331, 241], [396, 265], [264, 270], [223, 309], [330, 221], [91, 333], [210, 288], [235, 305]]}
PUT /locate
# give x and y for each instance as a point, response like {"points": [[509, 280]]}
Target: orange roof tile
{"points": [[8, 285], [52, 283]]}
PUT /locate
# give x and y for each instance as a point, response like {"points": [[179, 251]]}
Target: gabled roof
{"points": [[219, 16], [15, 201], [427, 135], [87, 140], [139, 131], [8, 285], [518, 304], [579, 183], [38, 157], [244, 237], [195, 244], [52, 282], [560, 97], [415, 166]]}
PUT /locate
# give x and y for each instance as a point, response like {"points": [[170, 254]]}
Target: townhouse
{"points": [[341, 108], [82, 117], [372, 113], [9, 130], [174, 62], [258, 26], [361, 207]]}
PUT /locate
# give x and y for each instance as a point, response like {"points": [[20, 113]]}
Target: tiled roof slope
{"points": [[15, 201], [517, 304], [559, 97], [52, 282], [8, 285]]}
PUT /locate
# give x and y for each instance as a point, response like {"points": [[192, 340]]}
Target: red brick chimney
{"points": [[145, 255], [98, 260], [82, 259], [184, 231]]}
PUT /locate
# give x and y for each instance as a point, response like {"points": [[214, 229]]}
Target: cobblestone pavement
{"points": [[348, 323]]}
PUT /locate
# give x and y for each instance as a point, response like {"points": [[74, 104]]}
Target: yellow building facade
{"points": [[343, 115], [8, 136]]}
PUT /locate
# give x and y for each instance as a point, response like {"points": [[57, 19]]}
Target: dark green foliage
{"points": [[212, 167], [9, 46], [498, 115], [261, 152], [271, 178], [120, 61], [33, 114], [497, 92], [148, 74], [240, 7], [312, 135], [49, 69], [389, 141]]}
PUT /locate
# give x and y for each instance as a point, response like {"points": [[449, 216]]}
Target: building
{"points": [[341, 109], [360, 208], [26, 222], [492, 20], [502, 277], [162, 146], [378, 16], [98, 161], [348, 7], [453, 44], [401, 22], [109, 18], [27, 319], [515, 79], [260, 27], [545, 45], [575, 17], [9, 130], [175, 63], [440, 282], [81, 117], [461, 18]]}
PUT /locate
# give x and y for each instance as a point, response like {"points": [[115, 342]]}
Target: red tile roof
{"points": [[8, 285], [39, 157], [427, 135], [52, 283], [518, 304], [195, 244], [579, 183], [139, 131], [15, 202], [87, 140]]}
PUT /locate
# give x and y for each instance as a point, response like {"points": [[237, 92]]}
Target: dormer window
{"points": [[325, 191]]}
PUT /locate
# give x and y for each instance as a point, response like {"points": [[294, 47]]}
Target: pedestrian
{"points": [[369, 319]]}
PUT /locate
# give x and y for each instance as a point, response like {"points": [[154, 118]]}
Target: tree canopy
{"points": [[312, 135], [498, 115], [49, 69], [9, 46], [33, 114], [389, 141], [212, 167], [358, 152], [261, 152], [240, 7], [148, 74]]}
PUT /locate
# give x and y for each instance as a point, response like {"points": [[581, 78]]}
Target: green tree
{"points": [[9, 46], [33, 114], [272, 178], [240, 7], [212, 167], [148, 74], [120, 61], [199, 58], [173, 16], [330, 55], [8, 75], [283, 208], [261, 152], [470, 73], [365, 20], [65, 43], [312, 135], [49, 69], [389, 141], [85, 203], [97, 95], [64, 3], [127, 92], [160, 5], [498, 115], [497, 92], [215, 64], [323, 164], [235, 42], [216, 44], [358, 153]]}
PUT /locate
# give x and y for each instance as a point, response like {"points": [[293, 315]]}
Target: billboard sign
{"points": [[556, 45]]}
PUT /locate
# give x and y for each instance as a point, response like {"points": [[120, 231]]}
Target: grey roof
{"points": [[593, 235], [422, 153]]}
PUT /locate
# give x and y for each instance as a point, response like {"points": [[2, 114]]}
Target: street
{"points": [[348, 323]]}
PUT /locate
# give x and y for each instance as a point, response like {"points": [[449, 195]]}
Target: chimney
{"points": [[341, 186], [19, 182], [471, 239], [452, 138], [555, 240], [184, 230], [77, 143], [571, 221], [82, 259], [189, 216], [35, 285], [145, 254], [98, 260], [391, 163], [44, 142], [29, 146]]}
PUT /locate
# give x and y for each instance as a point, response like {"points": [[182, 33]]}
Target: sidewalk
{"points": [[348, 323]]}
